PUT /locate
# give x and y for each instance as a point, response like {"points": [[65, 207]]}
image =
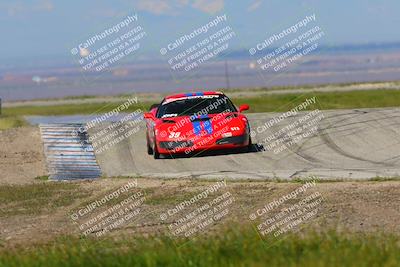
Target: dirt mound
{"points": [[21, 155]]}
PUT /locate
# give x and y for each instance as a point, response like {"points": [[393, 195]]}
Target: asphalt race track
{"points": [[349, 144]]}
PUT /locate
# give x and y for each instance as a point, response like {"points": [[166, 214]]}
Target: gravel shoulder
{"points": [[354, 207]]}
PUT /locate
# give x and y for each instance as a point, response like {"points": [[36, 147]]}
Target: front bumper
{"points": [[188, 146]]}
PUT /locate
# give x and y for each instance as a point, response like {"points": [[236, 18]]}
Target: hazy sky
{"points": [[52, 27]]}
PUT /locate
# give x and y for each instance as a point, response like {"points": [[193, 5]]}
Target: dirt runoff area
{"points": [[34, 211], [21, 155], [166, 206]]}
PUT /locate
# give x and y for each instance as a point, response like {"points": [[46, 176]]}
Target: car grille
{"points": [[170, 145], [232, 140]]}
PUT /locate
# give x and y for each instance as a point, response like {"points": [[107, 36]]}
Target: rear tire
{"points": [[149, 148]]}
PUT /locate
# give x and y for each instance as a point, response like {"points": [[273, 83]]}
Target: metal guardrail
{"points": [[69, 154]]}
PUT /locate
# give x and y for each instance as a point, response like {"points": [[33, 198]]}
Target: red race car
{"points": [[194, 122]]}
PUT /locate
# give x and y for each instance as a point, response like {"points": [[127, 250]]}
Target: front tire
{"points": [[250, 145], [156, 155], [247, 148]]}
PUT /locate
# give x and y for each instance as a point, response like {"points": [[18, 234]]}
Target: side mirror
{"points": [[154, 106], [148, 115], [243, 107]]}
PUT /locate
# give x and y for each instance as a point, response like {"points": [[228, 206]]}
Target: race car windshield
{"points": [[196, 105]]}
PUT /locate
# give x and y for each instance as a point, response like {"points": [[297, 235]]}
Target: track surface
{"points": [[355, 144]]}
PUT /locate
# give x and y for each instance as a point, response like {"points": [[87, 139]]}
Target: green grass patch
{"points": [[228, 248], [115, 200], [7, 122], [68, 109], [172, 198], [38, 197], [79, 97], [42, 178], [312, 86], [328, 100], [262, 103], [384, 179]]}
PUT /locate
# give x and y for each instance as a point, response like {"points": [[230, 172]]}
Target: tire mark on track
{"points": [[331, 144]]}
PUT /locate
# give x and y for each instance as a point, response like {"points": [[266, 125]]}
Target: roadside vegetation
{"points": [[234, 247], [37, 198], [67, 109], [11, 121], [235, 242], [324, 101], [261, 103], [311, 87]]}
